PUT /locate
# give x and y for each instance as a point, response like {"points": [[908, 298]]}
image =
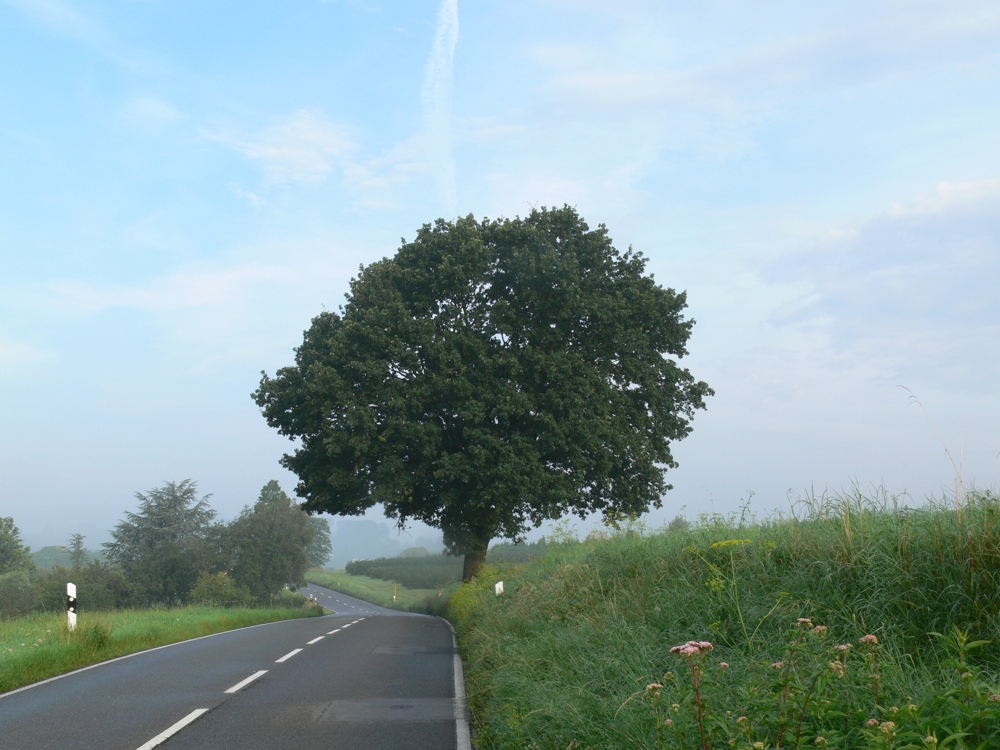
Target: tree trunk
{"points": [[474, 560]]}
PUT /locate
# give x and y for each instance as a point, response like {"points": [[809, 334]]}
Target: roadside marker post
{"points": [[71, 606], [498, 588]]}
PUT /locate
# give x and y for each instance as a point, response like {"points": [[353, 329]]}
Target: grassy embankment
{"points": [[581, 651], [374, 590], [36, 647]]}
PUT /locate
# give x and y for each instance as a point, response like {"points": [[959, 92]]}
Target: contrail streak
{"points": [[435, 96]]}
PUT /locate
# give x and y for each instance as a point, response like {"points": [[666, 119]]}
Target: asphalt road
{"points": [[363, 677]]}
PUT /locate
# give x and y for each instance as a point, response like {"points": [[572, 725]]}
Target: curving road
{"points": [[361, 677]]}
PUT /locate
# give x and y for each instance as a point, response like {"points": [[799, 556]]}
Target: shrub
{"points": [[219, 590]]}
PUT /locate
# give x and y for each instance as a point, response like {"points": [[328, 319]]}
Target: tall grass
{"points": [[39, 646], [560, 658]]}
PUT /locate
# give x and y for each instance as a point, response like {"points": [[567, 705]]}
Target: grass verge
{"points": [[36, 647], [377, 591], [856, 624]]}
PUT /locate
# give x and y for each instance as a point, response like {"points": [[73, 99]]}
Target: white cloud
{"points": [[304, 148], [435, 96], [706, 80], [914, 293]]}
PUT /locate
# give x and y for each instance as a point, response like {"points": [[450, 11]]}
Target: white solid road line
{"points": [[243, 683], [287, 656], [463, 737], [315, 640], [162, 736]]}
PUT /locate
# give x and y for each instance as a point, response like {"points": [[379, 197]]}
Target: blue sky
{"points": [[184, 185]]}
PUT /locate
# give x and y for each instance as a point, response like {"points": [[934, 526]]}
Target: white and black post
{"points": [[71, 606]]}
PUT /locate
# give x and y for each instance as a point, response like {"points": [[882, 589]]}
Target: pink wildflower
{"points": [[868, 639]]}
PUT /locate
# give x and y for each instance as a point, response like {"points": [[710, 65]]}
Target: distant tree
{"points": [[268, 543], [490, 376], [14, 556], [414, 552], [78, 555], [320, 547], [162, 548]]}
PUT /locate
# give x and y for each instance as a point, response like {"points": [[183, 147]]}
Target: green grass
{"points": [[36, 647], [377, 591], [563, 658]]}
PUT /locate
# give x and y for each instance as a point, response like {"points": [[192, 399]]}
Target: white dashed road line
{"points": [[315, 640], [243, 683], [288, 656], [168, 733]]}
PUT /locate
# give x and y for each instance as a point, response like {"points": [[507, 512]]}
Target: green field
{"points": [[586, 648], [39, 646], [382, 593]]}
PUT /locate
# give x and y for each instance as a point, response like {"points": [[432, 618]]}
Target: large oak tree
{"points": [[489, 376]]}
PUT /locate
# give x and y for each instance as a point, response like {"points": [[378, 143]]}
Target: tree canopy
{"points": [[14, 556], [268, 542], [161, 548], [489, 376], [320, 547]]}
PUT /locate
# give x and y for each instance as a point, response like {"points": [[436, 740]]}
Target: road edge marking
{"points": [[243, 683], [463, 737], [174, 729], [288, 656]]}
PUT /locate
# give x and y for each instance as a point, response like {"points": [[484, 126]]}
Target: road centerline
{"points": [[243, 683], [315, 640], [173, 729], [288, 656]]}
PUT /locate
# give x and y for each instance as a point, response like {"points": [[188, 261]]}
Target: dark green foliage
{"points": [[220, 590], [14, 556], [267, 543], [430, 572], [162, 548], [99, 586], [490, 376]]}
